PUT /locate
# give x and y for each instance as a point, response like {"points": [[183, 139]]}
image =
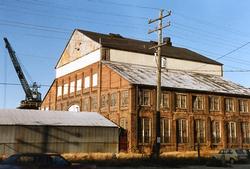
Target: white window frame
{"points": [[65, 89], [243, 105], [163, 130], [78, 84], [198, 102], [229, 102], [94, 79], [59, 91], [87, 82], [72, 87], [180, 98], [212, 100]]}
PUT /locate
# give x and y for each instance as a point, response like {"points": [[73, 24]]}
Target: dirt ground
{"points": [[235, 166]]}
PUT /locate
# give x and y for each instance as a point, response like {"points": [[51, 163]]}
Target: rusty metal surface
{"points": [[53, 118], [144, 75]]}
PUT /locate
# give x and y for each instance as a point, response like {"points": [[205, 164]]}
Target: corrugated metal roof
{"points": [[144, 75], [122, 43], [52, 118]]}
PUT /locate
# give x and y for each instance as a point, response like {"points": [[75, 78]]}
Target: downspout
{"points": [[138, 108], [99, 77]]}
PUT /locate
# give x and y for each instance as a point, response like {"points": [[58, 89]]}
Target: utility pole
{"points": [[157, 141]]}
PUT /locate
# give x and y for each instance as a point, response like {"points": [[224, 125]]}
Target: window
{"points": [[199, 131], [246, 132], [124, 98], [197, 102], [65, 88], [74, 108], [94, 80], [145, 130], [93, 103], [165, 130], [182, 131], [113, 99], [165, 100], [181, 101], [229, 105], [214, 103], [216, 132], [145, 98], [243, 106], [87, 82], [78, 84], [59, 91], [85, 104], [72, 87], [104, 101], [232, 132]]}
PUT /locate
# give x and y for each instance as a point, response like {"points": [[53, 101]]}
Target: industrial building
{"points": [[116, 76], [56, 132]]}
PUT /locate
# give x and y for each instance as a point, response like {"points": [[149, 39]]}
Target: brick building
{"points": [[116, 77]]}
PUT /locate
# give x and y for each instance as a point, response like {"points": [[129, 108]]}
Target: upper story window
{"points": [[113, 99], [86, 82], [197, 102], [165, 100], [94, 79], [78, 84], [181, 101], [65, 88], [145, 98], [243, 106], [59, 91], [229, 105], [214, 103], [124, 98], [72, 87]]}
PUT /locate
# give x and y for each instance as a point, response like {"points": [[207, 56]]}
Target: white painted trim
{"points": [[79, 63]]}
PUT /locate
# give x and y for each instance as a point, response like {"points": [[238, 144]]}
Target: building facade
{"points": [[116, 77]]}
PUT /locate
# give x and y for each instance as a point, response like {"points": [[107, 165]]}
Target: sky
{"points": [[38, 31]]}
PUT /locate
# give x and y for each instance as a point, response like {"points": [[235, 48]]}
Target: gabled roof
{"points": [[52, 118], [115, 41], [145, 75]]}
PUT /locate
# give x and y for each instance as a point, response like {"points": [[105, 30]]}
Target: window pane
{"points": [[95, 80], [87, 82]]}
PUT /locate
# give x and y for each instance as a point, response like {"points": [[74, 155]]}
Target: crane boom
{"points": [[18, 69], [32, 96]]}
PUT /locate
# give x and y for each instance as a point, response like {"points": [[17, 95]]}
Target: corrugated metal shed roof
{"points": [[121, 43], [144, 75], [52, 118]]}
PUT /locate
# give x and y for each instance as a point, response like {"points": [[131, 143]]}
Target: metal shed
{"points": [[56, 131]]}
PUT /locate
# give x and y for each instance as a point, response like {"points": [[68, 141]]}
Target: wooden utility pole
{"points": [[157, 141]]}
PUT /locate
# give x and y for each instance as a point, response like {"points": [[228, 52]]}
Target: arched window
{"points": [[74, 108]]}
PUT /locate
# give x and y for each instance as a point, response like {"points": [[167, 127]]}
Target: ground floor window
{"points": [[182, 130], [232, 133], [199, 132], [145, 130], [165, 130], [246, 132], [216, 132]]}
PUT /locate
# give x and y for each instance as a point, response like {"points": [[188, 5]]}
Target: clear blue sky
{"points": [[39, 30]]}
